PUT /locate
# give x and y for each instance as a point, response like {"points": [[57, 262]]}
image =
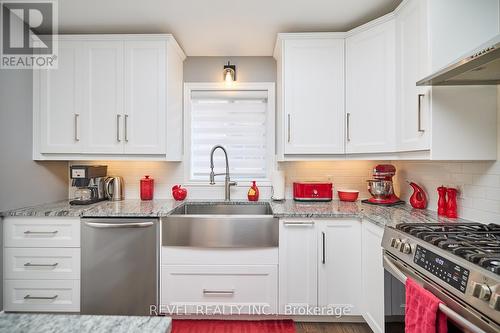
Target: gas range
{"points": [[458, 262]]}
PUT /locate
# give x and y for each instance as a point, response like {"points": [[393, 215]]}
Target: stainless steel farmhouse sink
{"points": [[221, 225]]}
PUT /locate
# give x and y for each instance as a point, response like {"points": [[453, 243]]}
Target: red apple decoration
{"points": [[179, 193]]}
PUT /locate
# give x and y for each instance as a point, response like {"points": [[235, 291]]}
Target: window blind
{"points": [[237, 120]]}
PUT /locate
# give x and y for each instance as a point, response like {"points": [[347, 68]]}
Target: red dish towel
{"points": [[422, 313]]}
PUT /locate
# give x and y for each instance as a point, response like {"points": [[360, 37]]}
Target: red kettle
{"points": [[418, 199]]}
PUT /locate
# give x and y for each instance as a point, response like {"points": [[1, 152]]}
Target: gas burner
{"points": [[491, 263], [475, 242]]}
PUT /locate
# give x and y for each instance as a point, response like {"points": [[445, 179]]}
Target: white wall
{"points": [[248, 69]]}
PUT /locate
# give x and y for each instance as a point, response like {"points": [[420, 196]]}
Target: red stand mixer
{"points": [[381, 186]]}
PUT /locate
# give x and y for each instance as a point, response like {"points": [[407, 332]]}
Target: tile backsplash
{"points": [[478, 184], [343, 174]]}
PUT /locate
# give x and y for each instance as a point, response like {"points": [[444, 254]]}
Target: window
{"points": [[239, 120]]}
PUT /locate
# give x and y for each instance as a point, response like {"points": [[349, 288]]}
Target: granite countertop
{"points": [[67, 323], [287, 209]]}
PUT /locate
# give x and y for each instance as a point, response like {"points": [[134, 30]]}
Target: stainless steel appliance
{"points": [[221, 225], [89, 181], [457, 262], [478, 67], [113, 188], [120, 263]]}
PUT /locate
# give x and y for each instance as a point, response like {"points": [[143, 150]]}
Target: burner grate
{"points": [[475, 242]]}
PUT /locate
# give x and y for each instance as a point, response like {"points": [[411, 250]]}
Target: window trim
{"points": [[216, 86]]}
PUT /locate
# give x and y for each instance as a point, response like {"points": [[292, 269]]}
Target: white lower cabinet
{"points": [[298, 282], [212, 289], [41, 264], [42, 295], [320, 266], [373, 293]]}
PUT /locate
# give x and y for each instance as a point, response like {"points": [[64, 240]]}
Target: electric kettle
{"points": [[113, 188]]}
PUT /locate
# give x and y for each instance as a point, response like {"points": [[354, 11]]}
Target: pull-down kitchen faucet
{"points": [[228, 183]]}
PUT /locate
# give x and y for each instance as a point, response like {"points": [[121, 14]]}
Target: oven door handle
{"points": [[452, 315]]}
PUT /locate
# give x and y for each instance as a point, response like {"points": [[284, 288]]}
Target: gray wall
{"points": [[248, 69], [24, 182]]}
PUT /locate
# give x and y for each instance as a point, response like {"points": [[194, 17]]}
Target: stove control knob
{"points": [[393, 242], [397, 243], [481, 291], [495, 302], [405, 248]]}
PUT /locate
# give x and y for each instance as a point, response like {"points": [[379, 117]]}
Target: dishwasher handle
{"points": [[120, 225]]}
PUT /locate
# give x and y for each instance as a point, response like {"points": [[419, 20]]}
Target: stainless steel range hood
{"points": [[479, 67]]}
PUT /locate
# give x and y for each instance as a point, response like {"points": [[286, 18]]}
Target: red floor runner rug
{"points": [[233, 326]]}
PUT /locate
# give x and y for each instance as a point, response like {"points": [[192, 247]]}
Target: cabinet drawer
{"points": [[42, 263], [42, 295], [42, 232], [236, 289]]}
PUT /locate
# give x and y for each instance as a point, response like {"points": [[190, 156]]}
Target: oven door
{"points": [[461, 318]]}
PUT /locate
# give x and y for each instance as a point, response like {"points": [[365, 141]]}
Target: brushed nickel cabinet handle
{"points": [[419, 121], [77, 135], [348, 126], [289, 127], [298, 224], [126, 128], [40, 297], [218, 292], [29, 232], [323, 250], [28, 264], [118, 127]]}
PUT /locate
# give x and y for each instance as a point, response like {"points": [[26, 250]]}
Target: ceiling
{"points": [[219, 27]]}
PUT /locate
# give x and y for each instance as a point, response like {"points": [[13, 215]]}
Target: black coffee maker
{"points": [[89, 181]]}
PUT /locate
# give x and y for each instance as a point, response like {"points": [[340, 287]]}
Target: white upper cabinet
{"points": [[60, 118], [412, 120], [103, 96], [111, 96], [311, 85], [450, 123], [370, 88], [144, 113]]}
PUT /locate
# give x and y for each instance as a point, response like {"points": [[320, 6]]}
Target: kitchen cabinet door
{"points": [[413, 118], [370, 90], [57, 96], [372, 306], [313, 86], [339, 260], [298, 265], [145, 94], [103, 92]]}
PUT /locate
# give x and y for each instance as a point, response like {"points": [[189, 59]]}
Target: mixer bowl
{"points": [[380, 189]]}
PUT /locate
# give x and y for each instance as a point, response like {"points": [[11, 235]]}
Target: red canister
{"points": [[147, 188]]}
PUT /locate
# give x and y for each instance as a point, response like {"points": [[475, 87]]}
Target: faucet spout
{"points": [[228, 183]]}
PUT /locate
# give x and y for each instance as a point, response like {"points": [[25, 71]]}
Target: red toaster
{"points": [[312, 191]]}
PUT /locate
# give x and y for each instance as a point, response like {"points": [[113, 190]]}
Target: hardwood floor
{"points": [[332, 328]]}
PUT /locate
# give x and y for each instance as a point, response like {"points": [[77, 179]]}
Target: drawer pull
{"points": [[218, 292], [40, 297], [299, 224], [29, 232], [28, 264]]}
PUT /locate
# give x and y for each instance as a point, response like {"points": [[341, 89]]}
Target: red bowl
{"points": [[348, 195]]}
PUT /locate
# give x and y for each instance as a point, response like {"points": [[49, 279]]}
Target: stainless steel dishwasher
{"points": [[120, 259]]}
